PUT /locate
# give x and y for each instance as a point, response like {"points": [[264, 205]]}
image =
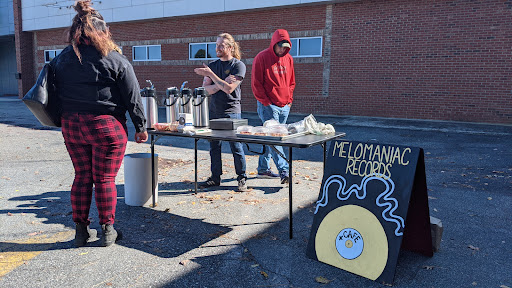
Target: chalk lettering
{"points": [[368, 147], [377, 152], [359, 149], [405, 150], [396, 156]]}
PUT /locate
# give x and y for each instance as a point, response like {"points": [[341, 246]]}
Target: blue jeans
{"points": [[236, 148], [280, 114]]}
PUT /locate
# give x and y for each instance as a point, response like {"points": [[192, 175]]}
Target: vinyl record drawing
{"points": [[370, 193]]}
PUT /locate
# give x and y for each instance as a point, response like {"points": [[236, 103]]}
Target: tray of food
{"points": [[171, 127], [276, 132]]}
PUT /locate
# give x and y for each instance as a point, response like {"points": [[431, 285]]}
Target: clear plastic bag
{"points": [[317, 128], [296, 127], [271, 122]]}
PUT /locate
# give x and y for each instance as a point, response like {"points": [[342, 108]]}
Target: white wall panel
{"points": [[142, 2], [233, 5], [27, 3], [119, 11], [6, 17], [108, 15], [148, 11], [192, 7], [112, 4], [29, 24]]}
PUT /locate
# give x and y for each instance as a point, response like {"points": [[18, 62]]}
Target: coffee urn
{"points": [[200, 108], [150, 105], [186, 97], [172, 104]]}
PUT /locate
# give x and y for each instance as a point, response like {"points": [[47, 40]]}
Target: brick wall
{"points": [[443, 60]]}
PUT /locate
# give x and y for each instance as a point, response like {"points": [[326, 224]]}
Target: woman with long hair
{"points": [[96, 85]]}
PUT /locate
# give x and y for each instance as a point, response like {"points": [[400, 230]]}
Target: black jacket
{"points": [[98, 85]]}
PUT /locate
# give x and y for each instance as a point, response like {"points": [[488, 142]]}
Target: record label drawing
{"points": [[349, 243], [351, 238], [370, 193]]}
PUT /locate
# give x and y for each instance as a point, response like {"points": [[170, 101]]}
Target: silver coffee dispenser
{"points": [[200, 108], [186, 96], [172, 104], [150, 105]]}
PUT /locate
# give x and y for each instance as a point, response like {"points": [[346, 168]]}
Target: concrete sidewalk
{"points": [[223, 238]]}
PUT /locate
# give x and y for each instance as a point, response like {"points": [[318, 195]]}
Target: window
{"points": [[202, 51], [50, 54], [147, 53], [306, 47]]}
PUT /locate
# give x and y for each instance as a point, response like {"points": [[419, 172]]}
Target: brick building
{"points": [[416, 59]]}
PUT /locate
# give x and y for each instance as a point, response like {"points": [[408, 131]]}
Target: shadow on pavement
{"points": [[145, 229]]}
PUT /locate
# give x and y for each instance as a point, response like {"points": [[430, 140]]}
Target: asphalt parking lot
{"points": [[223, 238]]}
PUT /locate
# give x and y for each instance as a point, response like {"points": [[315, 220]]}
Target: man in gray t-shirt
{"points": [[222, 80], [222, 102]]}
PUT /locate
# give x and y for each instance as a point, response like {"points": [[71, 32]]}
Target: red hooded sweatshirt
{"points": [[272, 77]]}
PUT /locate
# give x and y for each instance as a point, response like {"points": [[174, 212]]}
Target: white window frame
{"points": [[199, 43], [147, 53], [298, 46], [55, 52]]}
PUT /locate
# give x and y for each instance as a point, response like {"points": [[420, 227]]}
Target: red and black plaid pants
{"points": [[96, 145]]}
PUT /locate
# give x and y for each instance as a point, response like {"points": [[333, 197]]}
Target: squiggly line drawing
{"points": [[360, 192]]}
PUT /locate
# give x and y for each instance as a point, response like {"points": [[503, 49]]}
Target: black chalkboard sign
{"points": [[373, 202]]}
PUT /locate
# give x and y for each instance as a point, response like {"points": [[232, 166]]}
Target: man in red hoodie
{"points": [[273, 82]]}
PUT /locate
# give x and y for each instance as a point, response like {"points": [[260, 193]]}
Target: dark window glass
{"points": [[310, 47], [293, 50], [197, 51], [211, 51], [139, 53], [154, 52]]}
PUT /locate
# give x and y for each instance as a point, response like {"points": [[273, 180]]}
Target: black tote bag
{"points": [[42, 99]]}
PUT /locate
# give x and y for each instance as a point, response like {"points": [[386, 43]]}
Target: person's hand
{"points": [[141, 137], [205, 71], [289, 105], [230, 79]]}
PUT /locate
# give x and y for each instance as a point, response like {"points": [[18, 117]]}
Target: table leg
{"points": [[195, 165], [290, 191], [153, 184], [325, 154]]}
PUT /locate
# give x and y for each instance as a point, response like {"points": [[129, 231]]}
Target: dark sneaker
{"points": [[285, 177], [209, 183], [109, 235], [267, 174], [82, 234], [242, 185]]}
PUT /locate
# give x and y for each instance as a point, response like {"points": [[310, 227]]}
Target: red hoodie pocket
{"points": [[280, 95]]}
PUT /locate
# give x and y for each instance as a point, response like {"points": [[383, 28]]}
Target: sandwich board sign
{"points": [[373, 202]]}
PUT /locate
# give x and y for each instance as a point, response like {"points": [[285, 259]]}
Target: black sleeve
{"points": [[130, 95], [239, 69]]}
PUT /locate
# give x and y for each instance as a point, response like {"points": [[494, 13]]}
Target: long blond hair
{"points": [[89, 28], [237, 53]]}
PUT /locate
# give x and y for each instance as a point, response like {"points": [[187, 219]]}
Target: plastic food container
{"points": [[260, 131], [162, 126], [245, 129], [173, 127], [271, 122], [279, 130]]}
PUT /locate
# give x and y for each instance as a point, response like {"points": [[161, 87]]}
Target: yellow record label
{"points": [[351, 238]]}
